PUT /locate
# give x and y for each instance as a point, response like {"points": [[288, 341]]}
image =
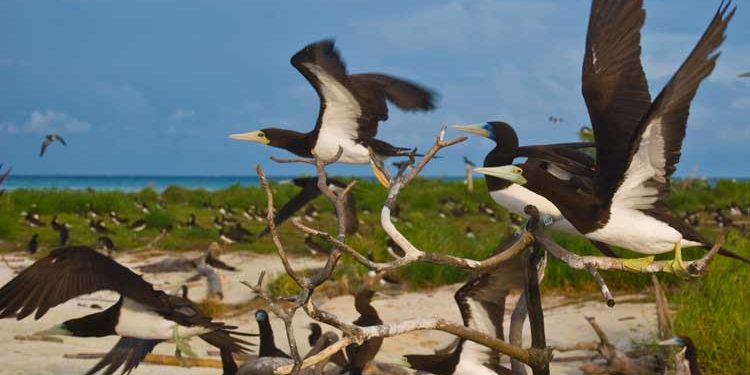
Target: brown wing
{"points": [[66, 273], [656, 148], [374, 90], [614, 85]]}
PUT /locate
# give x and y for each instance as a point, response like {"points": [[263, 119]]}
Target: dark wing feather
{"points": [[66, 273], [309, 192], [59, 138], [614, 85], [45, 144], [128, 351], [565, 156], [656, 147], [373, 90]]}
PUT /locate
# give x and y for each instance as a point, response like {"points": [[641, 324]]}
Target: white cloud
{"points": [[181, 114], [45, 122]]}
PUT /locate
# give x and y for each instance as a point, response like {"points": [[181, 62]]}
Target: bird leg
{"points": [[181, 346], [379, 171], [677, 266]]}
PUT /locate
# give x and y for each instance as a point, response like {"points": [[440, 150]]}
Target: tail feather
{"points": [[731, 254]]}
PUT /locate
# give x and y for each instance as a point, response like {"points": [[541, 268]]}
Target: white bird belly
{"points": [[516, 197], [328, 144], [139, 321], [636, 231]]}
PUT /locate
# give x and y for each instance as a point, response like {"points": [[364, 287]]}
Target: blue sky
{"points": [[142, 87]]}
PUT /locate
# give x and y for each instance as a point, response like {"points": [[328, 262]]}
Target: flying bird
{"points": [[48, 140], [637, 144], [143, 317], [555, 120], [351, 107]]}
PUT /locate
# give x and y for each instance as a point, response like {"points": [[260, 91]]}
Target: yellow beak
{"points": [[477, 129], [507, 172], [254, 136]]}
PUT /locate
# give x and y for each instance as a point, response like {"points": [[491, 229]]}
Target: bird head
{"points": [[261, 315], [510, 173], [492, 129], [259, 136], [675, 341]]}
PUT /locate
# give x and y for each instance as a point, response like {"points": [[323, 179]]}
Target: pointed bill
{"points": [[477, 129], [510, 173], [253, 136]]}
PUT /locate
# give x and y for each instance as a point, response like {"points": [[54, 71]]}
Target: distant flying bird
{"points": [[48, 141], [469, 162], [143, 317], [744, 75], [351, 106], [556, 120]]}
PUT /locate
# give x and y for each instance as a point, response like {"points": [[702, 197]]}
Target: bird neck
{"points": [[295, 142], [267, 343], [96, 325], [367, 313]]}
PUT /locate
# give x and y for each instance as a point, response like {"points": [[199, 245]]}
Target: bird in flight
{"points": [[48, 140]]}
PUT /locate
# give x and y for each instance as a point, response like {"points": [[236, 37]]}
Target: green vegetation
{"points": [[712, 308]]}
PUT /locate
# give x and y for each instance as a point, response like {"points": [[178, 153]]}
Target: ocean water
{"points": [[129, 183]]}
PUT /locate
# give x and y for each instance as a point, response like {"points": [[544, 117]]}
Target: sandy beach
{"points": [[565, 323]]}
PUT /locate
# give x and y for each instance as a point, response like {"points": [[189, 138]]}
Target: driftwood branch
{"points": [[538, 356]]}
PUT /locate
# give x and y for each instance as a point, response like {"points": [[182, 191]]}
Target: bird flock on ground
{"points": [[611, 190]]}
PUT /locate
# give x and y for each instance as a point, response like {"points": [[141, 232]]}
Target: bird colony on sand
{"points": [[617, 197]]}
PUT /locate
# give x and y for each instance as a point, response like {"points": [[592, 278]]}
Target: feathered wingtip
{"points": [[313, 51]]}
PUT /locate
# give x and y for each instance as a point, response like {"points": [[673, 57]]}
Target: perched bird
{"points": [[638, 145], [267, 344], [735, 209], [360, 355], [468, 233], [33, 244], [32, 219], [138, 225], [64, 235], [226, 238], [106, 244], [48, 141], [315, 333], [686, 360], [117, 219], [308, 193], [143, 317], [57, 225], [481, 302], [142, 206], [240, 234], [351, 106]]}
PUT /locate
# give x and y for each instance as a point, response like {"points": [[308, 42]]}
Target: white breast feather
{"points": [[139, 321], [339, 121], [473, 355]]}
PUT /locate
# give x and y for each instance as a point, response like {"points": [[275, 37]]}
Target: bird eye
{"points": [[261, 135]]}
